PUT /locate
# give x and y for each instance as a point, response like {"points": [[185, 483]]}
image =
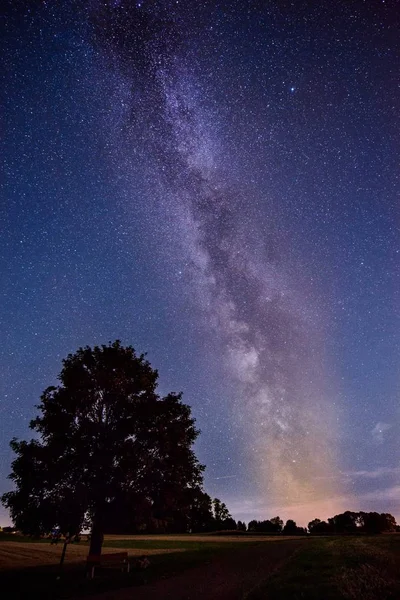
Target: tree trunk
{"points": [[63, 555], [96, 538]]}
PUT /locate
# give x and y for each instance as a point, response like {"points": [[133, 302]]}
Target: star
{"points": [[162, 187]]}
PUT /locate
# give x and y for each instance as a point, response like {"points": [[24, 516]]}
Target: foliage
{"points": [[354, 522], [314, 524], [222, 519], [200, 514], [108, 444], [274, 525], [291, 528]]}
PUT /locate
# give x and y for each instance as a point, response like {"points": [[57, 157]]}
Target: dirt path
{"points": [[230, 577]]}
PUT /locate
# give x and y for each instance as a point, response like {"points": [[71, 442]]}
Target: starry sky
{"points": [[216, 183]]}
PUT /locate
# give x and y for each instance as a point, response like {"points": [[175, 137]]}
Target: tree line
{"points": [[275, 526], [112, 455], [355, 522]]}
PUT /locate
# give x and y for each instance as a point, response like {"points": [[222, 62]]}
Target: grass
{"points": [[340, 568], [11, 537], [175, 544], [41, 582], [326, 568]]}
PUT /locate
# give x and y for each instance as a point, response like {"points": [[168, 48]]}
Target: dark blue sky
{"points": [[227, 202]]}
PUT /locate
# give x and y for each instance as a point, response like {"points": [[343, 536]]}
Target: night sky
{"points": [[217, 184]]}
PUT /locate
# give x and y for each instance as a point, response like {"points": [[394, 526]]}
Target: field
{"points": [[14, 555], [190, 567]]}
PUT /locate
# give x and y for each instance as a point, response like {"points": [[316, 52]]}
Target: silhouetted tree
{"points": [[345, 522], [252, 525], [222, 517], [229, 524], [389, 522], [201, 517], [312, 524], [241, 526], [106, 440], [290, 527], [220, 509], [354, 522], [320, 528], [374, 522], [277, 524], [274, 525]]}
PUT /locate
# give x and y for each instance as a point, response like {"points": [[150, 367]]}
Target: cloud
{"points": [[379, 431], [383, 495], [374, 473]]}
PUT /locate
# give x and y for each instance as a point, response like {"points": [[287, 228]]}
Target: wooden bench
{"points": [[106, 560]]}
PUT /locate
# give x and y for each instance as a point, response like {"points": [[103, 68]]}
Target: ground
{"points": [[228, 575], [211, 567], [22, 555]]}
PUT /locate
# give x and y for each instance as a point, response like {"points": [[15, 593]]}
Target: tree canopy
{"points": [[291, 528], [105, 440], [274, 525], [354, 522]]}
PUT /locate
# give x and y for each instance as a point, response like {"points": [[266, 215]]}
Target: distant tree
{"points": [[241, 526], [252, 525], [267, 526], [222, 517], [290, 527], [354, 522], [346, 522], [220, 510], [312, 524], [106, 439], [274, 525], [200, 513], [264, 526], [320, 528], [374, 522], [229, 524], [390, 522], [277, 524]]}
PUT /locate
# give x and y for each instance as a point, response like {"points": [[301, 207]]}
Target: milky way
{"points": [[271, 345], [215, 183]]}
